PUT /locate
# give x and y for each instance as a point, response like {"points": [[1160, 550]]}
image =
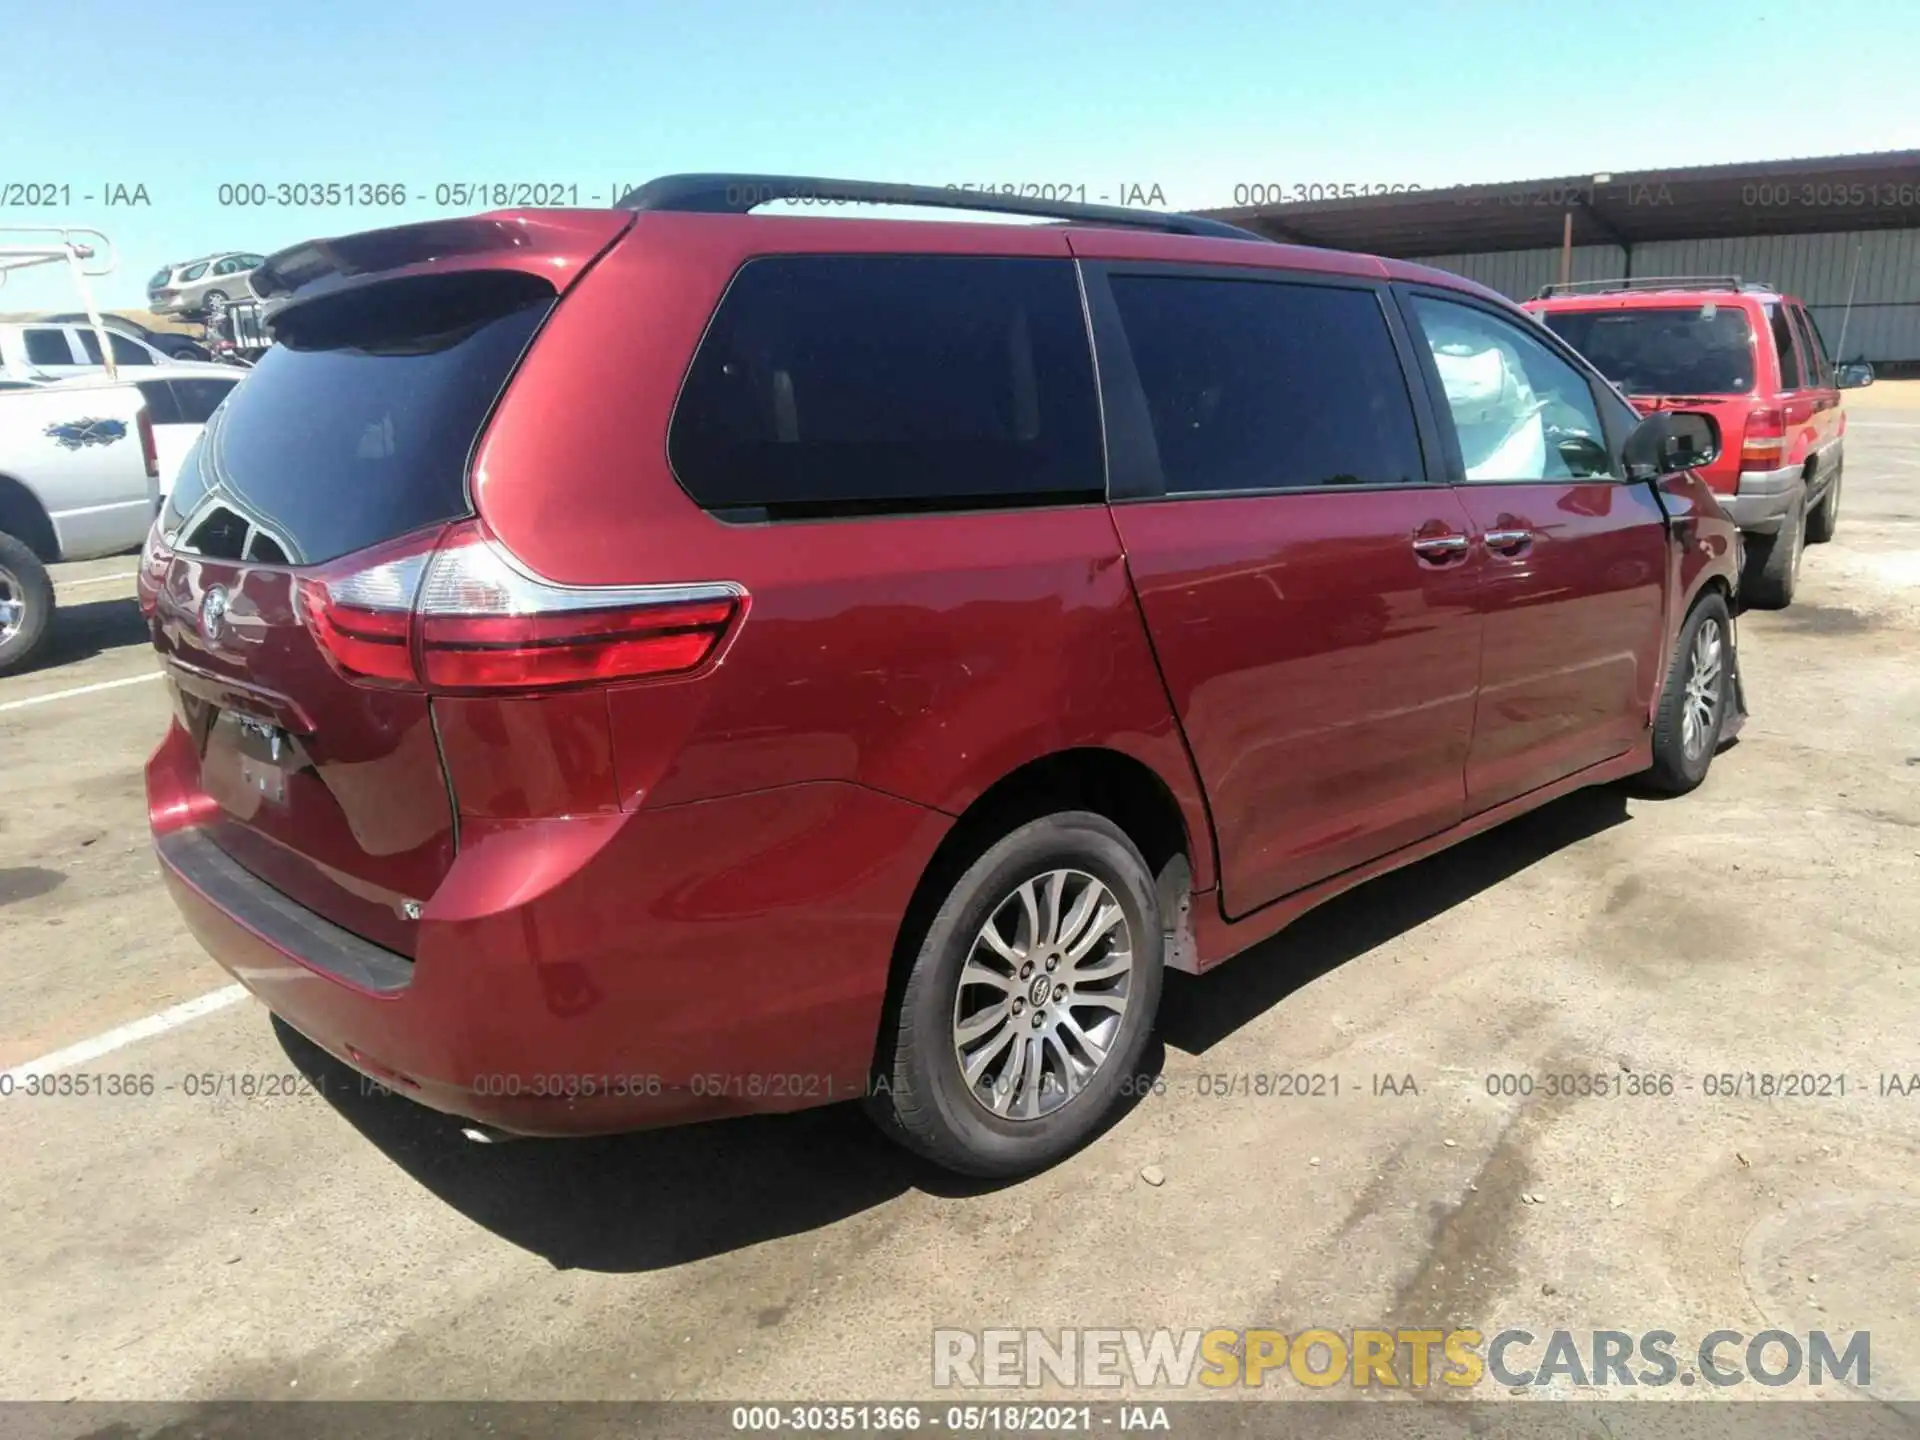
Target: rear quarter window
{"points": [[834, 384], [1784, 346], [198, 399], [162, 408]]}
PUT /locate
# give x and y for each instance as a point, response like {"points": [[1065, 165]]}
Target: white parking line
{"points": [[99, 579], [1883, 425], [124, 1035], [77, 690]]}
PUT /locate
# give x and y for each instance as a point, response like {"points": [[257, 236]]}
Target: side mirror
{"points": [[1670, 440], [1853, 375]]}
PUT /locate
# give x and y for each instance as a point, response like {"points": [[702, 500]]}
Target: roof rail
{"points": [[741, 194], [1648, 282]]}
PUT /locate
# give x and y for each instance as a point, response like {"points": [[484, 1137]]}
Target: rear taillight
{"points": [[465, 617], [147, 447], [1763, 444], [363, 620], [155, 556]]}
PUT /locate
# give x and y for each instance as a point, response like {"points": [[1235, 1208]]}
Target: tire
{"points": [[26, 603], [1825, 518], [213, 300], [1773, 562], [1012, 1121], [1686, 728]]}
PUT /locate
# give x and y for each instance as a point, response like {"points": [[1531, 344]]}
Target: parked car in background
{"points": [[187, 288], [46, 350], [78, 478], [1750, 357], [637, 667], [173, 346], [180, 398]]}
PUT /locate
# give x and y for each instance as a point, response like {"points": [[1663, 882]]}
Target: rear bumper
{"points": [[592, 975], [1764, 500]]}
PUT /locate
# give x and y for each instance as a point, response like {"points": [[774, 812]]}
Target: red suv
{"points": [[1751, 358], [640, 665]]}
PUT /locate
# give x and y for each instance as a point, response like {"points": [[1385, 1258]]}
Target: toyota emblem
{"points": [[213, 613]]}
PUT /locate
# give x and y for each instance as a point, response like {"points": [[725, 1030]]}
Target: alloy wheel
{"points": [[1042, 994], [13, 605], [1702, 705]]}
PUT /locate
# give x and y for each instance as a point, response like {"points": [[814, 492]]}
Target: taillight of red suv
{"points": [[1763, 442], [456, 613], [155, 557]]}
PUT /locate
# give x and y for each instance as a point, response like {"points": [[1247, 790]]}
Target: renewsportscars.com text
{"points": [[1397, 1358]]}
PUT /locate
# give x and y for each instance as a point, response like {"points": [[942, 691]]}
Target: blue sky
{"points": [[1195, 98]]}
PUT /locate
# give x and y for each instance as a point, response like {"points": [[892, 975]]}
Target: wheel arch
{"points": [[1108, 782], [25, 518]]}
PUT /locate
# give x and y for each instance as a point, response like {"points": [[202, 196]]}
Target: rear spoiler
{"points": [[556, 245]]}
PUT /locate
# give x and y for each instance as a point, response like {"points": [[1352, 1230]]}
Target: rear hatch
{"points": [[1698, 357], [345, 452]]}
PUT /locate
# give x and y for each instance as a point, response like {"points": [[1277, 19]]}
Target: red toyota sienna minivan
{"points": [[640, 665]]}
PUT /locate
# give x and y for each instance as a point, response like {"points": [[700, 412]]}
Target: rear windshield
{"points": [[359, 425], [1683, 350]]}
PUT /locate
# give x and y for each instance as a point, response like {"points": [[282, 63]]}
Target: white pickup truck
{"points": [[79, 478]]}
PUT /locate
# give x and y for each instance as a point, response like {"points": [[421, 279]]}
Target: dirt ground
{"points": [[184, 1247]]}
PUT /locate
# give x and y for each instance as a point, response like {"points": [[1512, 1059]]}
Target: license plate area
{"points": [[247, 761]]}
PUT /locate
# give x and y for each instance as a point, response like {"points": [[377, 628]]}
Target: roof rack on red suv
{"points": [[724, 194], [1652, 282]]}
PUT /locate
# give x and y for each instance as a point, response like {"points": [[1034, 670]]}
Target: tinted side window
{"points": [[1783, 345], [839, 383], [125, 351], [48, 347], [1519, 411], [1819, 367], [200, 398], [162, 408], [1259, 385]]}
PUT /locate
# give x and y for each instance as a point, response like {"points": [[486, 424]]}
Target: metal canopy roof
{"points": [[1772, 197]]}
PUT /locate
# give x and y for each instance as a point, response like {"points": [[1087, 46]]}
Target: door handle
{"points": [[1439, 548], [1513, 541]]}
